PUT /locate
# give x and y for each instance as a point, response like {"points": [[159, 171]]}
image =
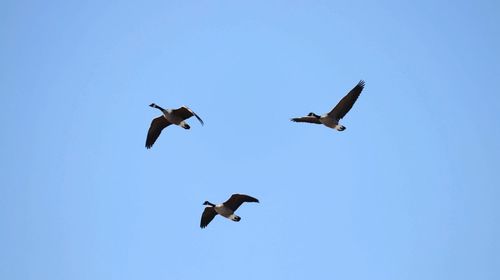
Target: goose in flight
{"points": [[168, 117], [332, 118], [225, 209]]}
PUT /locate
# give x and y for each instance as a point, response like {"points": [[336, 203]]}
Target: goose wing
{"points": [[185, 113], [307, 119], [347, 102], [236, 200], [207, 216], [157, 125]]}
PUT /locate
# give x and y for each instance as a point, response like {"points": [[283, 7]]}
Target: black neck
{"points": [[158, 107]]}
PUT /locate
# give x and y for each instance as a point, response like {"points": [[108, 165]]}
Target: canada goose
{"points": [[332, 118], [170, 116], [225, 209]]}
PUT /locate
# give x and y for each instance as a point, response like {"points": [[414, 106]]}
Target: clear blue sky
{"points": [[410, 190]]}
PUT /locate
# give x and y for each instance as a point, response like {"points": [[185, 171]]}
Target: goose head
{"points": [[313, 115], [152, 105], [208, 203]]}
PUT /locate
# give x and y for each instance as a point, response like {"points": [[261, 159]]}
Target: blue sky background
{"points": [[409, 191]]}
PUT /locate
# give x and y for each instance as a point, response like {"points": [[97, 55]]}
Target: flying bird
{"points": [[170, 116], [225, 209], [332, 118]]}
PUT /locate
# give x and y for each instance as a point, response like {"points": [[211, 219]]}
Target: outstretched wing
{"points": [[185, 113], [347, 102], [307, 119], [157, 125], [207, 216], [236, 200]]}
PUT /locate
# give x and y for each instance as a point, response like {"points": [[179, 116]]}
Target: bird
{"points": [[332, 118], [169, 116], [225, 209]]}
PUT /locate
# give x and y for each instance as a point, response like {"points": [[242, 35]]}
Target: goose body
{"points": [[168, 117], [226, 212], [225, 209], [332, 118]]}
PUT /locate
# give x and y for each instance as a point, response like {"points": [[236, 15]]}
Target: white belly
{"points": [[223, 211], [331, 123]]}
